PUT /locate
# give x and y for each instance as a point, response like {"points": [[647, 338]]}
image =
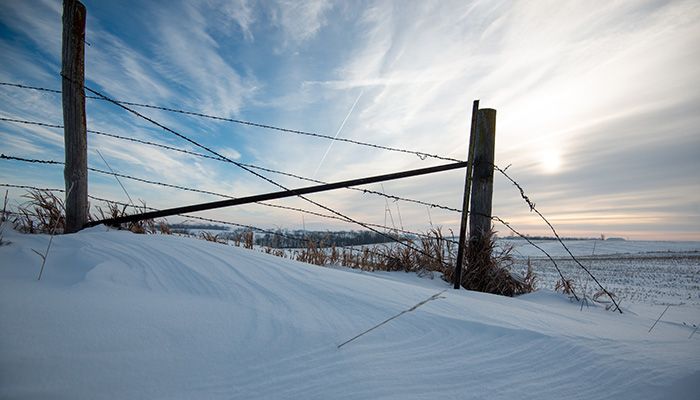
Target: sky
{"points": [[598, 107]]}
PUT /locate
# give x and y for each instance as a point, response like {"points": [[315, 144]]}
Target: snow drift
{"points": [[118, 315]]}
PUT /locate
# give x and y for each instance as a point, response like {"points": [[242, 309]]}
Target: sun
{"points": [[550, 161]]}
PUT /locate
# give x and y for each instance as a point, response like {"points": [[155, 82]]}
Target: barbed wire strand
{"points": [[171, 148], [531, 204], [507, 225], [99, 96]]}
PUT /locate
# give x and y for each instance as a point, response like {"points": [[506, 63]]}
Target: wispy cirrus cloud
{"points": [[300, 20]]}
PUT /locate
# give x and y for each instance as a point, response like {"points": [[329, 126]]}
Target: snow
{"points": [[522, 248], [118, 315]]}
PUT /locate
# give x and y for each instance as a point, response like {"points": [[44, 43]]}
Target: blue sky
{"points": [[597, 104]]}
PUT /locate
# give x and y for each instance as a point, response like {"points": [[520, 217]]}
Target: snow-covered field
{"points": [[124, 316], [652, 272]]}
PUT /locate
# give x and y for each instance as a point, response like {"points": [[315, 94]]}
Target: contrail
{"points": [[303, 221], [338, 132]]}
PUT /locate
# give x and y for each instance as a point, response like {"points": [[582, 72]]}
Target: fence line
{"points": [[422, 155]]}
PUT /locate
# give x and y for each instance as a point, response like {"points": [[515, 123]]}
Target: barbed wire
{"points": [[507, 225], [171, 148], [21, 86], [531, 204], [29, 160], [98, 96], [52, 162], [9, 185]]}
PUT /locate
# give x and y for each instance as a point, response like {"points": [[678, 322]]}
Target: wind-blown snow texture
{"points": [[125, 316]]}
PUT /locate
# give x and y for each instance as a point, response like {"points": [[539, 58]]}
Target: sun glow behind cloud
{"points": [[595, 101]]}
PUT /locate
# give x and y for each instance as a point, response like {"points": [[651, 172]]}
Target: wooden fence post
{"points": [[75, 135], [465, 203], [482, 182]]}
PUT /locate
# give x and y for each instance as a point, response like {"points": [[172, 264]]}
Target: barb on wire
{"points": [[531, 204], [98, 96]]}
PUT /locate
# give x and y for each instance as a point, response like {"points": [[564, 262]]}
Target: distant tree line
{"points": [[601, 237], [209, 227], [299, 238]]}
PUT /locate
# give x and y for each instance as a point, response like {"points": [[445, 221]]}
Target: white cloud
{"points": [[300, 20], [39, 21], [228, 12], [229, 153], [189, 57]]}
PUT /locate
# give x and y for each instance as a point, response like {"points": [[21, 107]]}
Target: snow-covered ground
{"points": [[600, 247], [652, 272], [124, 316]]}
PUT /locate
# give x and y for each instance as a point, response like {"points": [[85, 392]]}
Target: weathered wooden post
{"points": [[75, 135], [482, 183], [465, 203]]}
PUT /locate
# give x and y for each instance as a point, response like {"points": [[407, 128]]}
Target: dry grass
{"points": [[606, 298], [275, 252], [565, 286], [210, 237], [164, 228], [114, 210], [3, 218], [246, 238], [314, 253], [488, 269], [43, 212]]}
